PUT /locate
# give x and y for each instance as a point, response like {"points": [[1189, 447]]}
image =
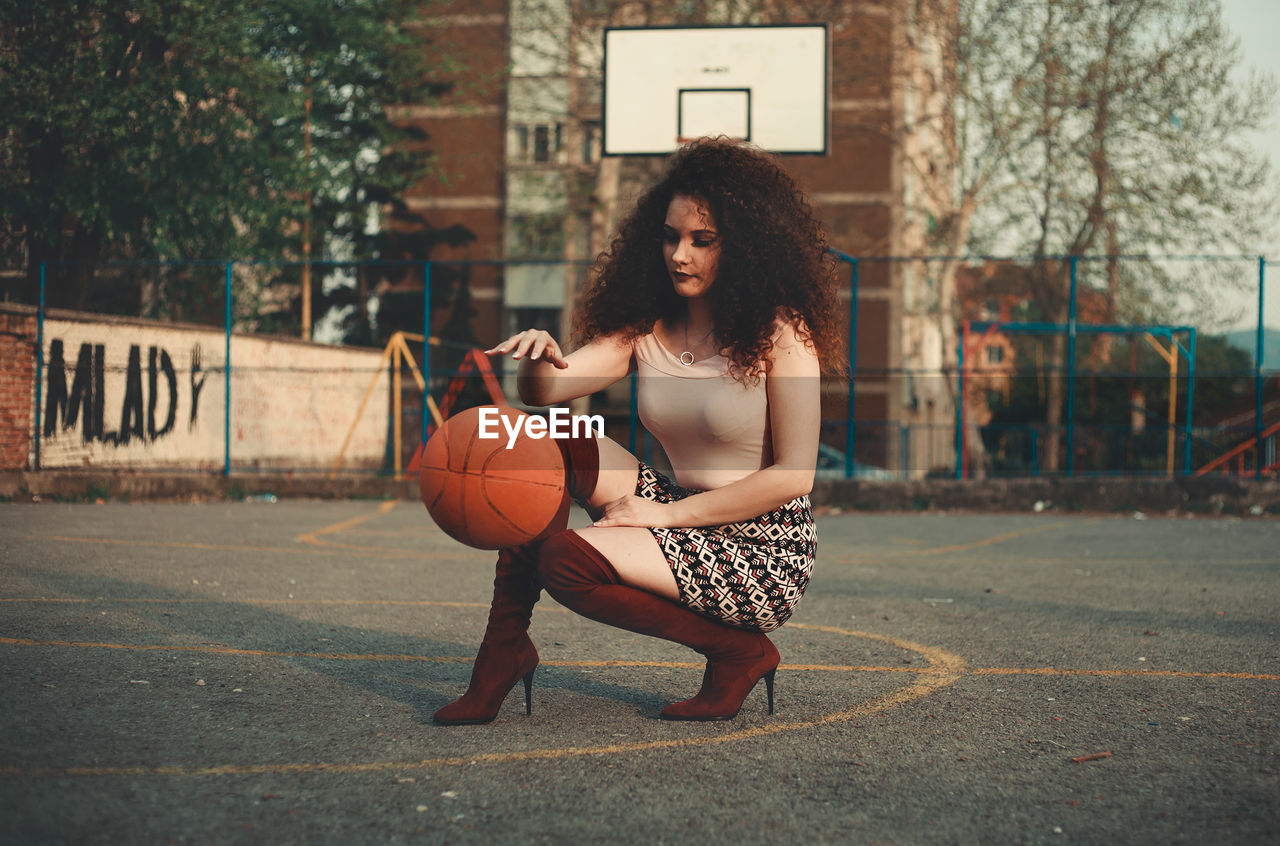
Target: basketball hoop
{"points": [[767, 85]]}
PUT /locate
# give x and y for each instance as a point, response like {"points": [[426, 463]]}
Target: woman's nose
{"points": [[681, 254]]}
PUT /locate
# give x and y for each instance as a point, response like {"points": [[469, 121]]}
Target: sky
{"points": [[1257, 24]]}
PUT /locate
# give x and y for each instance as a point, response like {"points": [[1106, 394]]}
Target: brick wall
{"points": [[17, 374]]}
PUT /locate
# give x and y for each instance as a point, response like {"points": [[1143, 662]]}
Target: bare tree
{"points": [[968, 67], [1078, 127]]}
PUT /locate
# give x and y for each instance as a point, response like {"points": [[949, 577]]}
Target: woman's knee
{"points": [[552, 551], [617, 474], [581, 456], [566, 562]]}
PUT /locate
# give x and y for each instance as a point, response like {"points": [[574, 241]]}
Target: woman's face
{"points": [[690, 246]]}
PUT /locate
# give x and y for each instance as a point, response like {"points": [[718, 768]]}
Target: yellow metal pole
{"points": [[413, 365], [306, 221], [417, 375], [397, 343], [342, 451]]}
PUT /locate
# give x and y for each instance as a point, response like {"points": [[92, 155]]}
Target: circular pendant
{"points": [[686, 358]]}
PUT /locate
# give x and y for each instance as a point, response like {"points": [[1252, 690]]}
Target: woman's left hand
{"points": [[632, 510]]}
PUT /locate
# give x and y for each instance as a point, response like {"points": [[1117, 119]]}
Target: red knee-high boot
{"points": [[507, 655], [580, 578]]}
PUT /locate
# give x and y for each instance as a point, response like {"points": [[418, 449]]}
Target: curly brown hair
{"points": [[774, 262]]}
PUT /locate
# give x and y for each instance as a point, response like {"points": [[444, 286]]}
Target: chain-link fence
{"points": [[325, 367]]}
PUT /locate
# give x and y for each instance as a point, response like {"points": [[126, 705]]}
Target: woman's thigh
{"points": [[617, 478], [636, 556], [633, 552]]}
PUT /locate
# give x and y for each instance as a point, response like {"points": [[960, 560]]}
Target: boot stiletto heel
{"points": [[506, 654], [528, 693]]}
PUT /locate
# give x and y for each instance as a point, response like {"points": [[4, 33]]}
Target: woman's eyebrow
{"points": [[669, 228]]}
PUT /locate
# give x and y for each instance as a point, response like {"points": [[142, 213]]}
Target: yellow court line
{"points": [[945, 669], [196, 600], [213, 649], [902, 696], [209, 649], [942, 669], [1091, 561], [936, 666], [312, 542], [313, 538], [327, 549], [214, 547], [958, 547], [1168, 674]]}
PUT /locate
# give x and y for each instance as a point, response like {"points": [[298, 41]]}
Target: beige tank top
{"points": [[714, 428]]}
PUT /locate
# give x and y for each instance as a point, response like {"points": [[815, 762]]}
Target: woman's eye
{"points": [[673, 238]]}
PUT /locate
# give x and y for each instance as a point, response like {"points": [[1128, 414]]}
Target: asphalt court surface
{"points": [[266, 673]]}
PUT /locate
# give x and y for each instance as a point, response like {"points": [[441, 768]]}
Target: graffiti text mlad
{"points": [[86, 401]]}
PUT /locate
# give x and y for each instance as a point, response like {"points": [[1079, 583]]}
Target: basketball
{"points": [[491, 492]]}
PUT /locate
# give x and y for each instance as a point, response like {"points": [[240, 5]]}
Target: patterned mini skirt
{"points": [[749, 574]]}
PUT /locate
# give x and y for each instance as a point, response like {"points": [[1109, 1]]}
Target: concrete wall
{"points": [[123, 394]]}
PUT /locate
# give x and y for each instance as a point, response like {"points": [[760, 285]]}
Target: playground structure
{"points": [[974, 333], [398, 355]]}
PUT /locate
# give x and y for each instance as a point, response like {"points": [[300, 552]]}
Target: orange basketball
{"points": [[491, 492]]}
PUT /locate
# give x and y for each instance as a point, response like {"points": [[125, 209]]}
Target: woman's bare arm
{"points": [[546, 376]]}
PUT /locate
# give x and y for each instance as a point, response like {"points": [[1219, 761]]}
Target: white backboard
{"points": [[667, 85]]}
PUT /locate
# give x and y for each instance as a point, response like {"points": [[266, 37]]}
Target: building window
{"points": [[591, 143], [995, 354], [518, 143], [520, 319], [535, 143], [535, 236]]}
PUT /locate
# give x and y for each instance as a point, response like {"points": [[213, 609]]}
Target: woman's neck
{"points": [[698, 317]]}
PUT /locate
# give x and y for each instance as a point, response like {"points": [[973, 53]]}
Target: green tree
{"points": [[174, 130]]}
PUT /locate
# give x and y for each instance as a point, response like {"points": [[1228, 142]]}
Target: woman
{"points": [[718, 291]]}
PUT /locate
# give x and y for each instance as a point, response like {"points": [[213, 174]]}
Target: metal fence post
{"points": [[39, 370], [849, 433], [426, 347], [1191, 396], [1071, 373], [226, 412], [1259, 352], [960, 401]]}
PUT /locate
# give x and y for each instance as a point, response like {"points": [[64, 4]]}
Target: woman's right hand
{"points": [[535, 344]]}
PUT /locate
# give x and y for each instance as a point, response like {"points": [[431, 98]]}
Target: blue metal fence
{"points": [[855, 447]]}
